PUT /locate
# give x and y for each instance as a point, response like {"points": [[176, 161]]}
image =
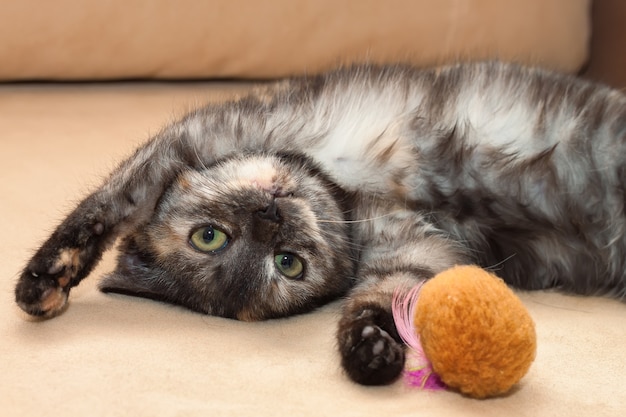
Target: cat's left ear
{"points": [[136, 274]]}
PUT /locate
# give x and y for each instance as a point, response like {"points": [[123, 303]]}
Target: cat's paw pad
{"points": [[374, 358], [42, 289]]}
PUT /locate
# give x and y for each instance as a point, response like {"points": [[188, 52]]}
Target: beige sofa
{"points": [[123, 356], [74, 39]]}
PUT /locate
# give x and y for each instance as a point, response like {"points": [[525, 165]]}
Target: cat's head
{"points": [[251, 237]]}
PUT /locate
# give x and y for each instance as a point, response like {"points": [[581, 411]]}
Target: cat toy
{"points": [[466, 331]]}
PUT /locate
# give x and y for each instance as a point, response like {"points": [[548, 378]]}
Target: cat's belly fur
{"points": [[528, 174]]}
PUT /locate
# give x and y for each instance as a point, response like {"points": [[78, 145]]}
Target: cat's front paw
{"points": [[370, 355], [63, 260], [43, 287], [41, 295]]}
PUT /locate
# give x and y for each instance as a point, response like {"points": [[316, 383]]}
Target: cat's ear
{"points": [[136, 274]]}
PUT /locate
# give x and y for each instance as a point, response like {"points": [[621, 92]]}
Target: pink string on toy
{"points": [[418, 370]]}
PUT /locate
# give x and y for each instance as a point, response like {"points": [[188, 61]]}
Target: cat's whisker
{"points": [[370, 219], [496, 266]]}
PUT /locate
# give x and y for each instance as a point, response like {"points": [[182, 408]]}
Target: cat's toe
{"points": [[374, 357]]}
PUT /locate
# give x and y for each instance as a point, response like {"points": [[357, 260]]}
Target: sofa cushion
{"points": [[78, 39]]}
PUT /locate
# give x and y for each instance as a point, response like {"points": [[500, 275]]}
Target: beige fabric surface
{"points": [[111, 355], [89, 39]]}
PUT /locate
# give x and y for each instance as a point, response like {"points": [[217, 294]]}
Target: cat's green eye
{"points": [[289, 265], [208, 239]]}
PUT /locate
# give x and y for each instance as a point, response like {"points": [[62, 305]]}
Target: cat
{"points": [[354, 184]]}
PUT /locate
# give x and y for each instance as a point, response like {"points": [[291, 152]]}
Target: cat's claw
{"points": [[374, 357]]}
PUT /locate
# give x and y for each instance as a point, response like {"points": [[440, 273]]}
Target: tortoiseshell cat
{"points": [[355, 183]]}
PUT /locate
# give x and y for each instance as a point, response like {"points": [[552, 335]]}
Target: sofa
{"points": [[84, 82]]}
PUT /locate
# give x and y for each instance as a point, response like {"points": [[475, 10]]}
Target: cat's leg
{"points": [[402, 250], [77, 244], [125, 200], [64, 259], [371, 350]]}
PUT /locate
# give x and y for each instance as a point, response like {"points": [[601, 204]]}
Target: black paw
{"points": [[44, 285], [62, 262], [41, 293], [370, 355]]}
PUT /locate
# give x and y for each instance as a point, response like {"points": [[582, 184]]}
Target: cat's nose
{"points": [[270, 213]]}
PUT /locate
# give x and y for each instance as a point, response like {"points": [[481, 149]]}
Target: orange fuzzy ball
{"points": [[477, 334]]}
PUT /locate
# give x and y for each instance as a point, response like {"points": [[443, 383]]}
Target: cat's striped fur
{"points": [[372, 177]]}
